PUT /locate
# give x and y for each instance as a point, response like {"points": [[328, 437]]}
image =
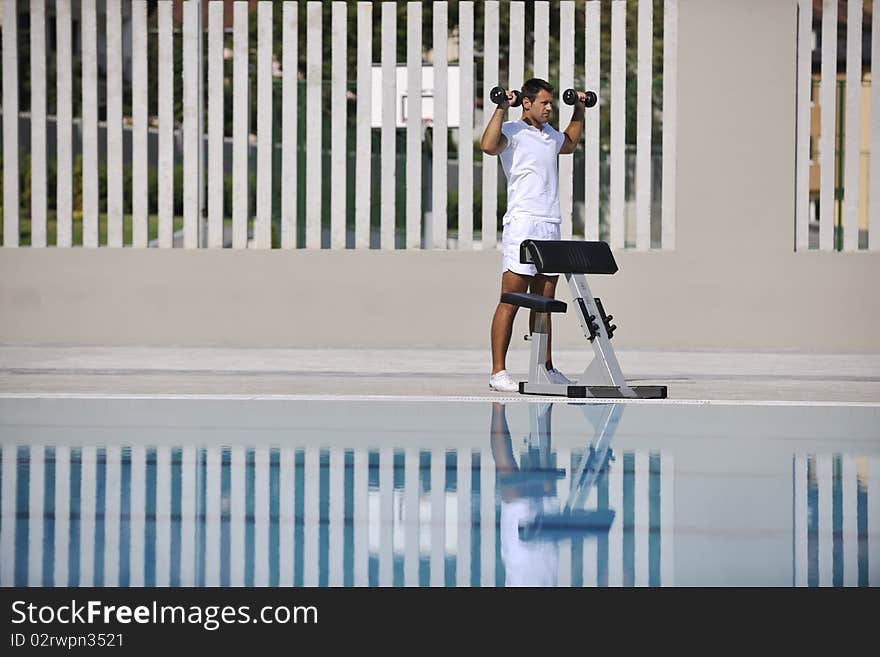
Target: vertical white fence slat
{"points": [[213, 502], [463, 510], [563, 486], [36, 501], [87, 499], [799, 492], [10, 475], [644, 114], [487, 519], [89, 26], [517, 58], [286, 508], [413, 125], [827, 102], [62, 515], [670, 123], [667, 520], [804, 89], [825, 480], [566, 81], [289, 115], [339, 121], [490, 162], [311, 514], [336, 538], [139, 129], [313, 134], [438, 517], [112, 511], [215, 125], [591, 122], [850, 517], [263, 221], [436, 239], [192, 129], [874, 186], [541, 65], [641, 513], [261, 516], [237, 512], [386, 516], [240, 125], [10, 137], [389, 126], [466, 125], [114, 124], [411, 517], [64, 123], [38, 121], [166, 126], [618, 123], [590, 561], [852, 125], [873, 495], [363, 147], [137, 515], [615, 534], [189, 495], [361, 516], [163, 515]]}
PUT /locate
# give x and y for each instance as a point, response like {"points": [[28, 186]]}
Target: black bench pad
{"points": [[568, 256], [534, 301]]}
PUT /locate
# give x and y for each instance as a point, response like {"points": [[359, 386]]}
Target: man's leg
{"points": [[502, 321], [545, 286]]}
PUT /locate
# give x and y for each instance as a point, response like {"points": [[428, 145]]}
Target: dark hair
{"points": [[531, 88]]}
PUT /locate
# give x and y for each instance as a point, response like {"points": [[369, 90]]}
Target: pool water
{"points": [[283, 492]]}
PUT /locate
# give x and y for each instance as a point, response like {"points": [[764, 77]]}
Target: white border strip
{"points": [[429, 398]]}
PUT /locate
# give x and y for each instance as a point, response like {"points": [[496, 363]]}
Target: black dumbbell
{"points": [[570, 96], [498, 96]]}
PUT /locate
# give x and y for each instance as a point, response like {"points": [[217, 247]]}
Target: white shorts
{"points": [[518, 230]]}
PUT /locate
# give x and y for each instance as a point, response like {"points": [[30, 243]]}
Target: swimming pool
{"points": [[200, 491]]}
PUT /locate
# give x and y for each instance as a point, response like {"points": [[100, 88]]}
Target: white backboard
{"points": [[428, 93]]}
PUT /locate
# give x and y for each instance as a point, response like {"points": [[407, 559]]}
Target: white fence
{"points": [[835, 506], [835, 208], [254, 516], [377, 204]]}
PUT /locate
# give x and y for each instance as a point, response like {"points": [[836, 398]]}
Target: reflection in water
{"points": [[532, 522], [831, 546], [518, 509]]}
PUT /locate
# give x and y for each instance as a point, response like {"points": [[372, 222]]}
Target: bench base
{"points": [[599, 392]]}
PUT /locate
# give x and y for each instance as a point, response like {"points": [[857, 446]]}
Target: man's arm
{"points": [[575, 127], [494, 141]]}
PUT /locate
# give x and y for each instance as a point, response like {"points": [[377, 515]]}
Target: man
{"points": [[528, 150]]}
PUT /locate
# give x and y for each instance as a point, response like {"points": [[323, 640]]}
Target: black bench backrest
{"points": [[568, 256]]}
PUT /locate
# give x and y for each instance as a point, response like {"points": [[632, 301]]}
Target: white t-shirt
{"points": [[528, 563], [531, 165]]}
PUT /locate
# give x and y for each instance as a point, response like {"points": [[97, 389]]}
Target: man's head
{"points": [[537, 101]]}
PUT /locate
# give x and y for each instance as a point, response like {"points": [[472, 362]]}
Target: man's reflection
{"points": [[533, 520], [526, 492]]}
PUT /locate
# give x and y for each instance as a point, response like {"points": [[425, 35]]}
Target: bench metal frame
{"points": [[602, 378], [574, 519]]}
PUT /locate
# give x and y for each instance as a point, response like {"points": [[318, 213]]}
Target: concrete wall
{"points": [[733, 280]]}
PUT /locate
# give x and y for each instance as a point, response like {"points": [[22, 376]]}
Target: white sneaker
{"points": [[558, 377], [502, 382]]}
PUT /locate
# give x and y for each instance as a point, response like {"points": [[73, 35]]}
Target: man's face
{"points": [[541, 108]]}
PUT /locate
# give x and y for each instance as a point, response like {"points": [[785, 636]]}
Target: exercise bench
{"points": [[602, 377]]}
